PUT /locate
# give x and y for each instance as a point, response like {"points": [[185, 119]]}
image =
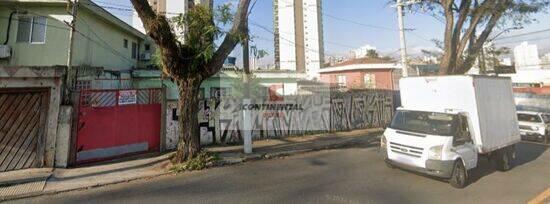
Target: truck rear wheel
{"points": [[504, 159], [459, 177]]}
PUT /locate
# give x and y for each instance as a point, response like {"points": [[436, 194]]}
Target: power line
{"points": [[110, 3], [526, 40], [290, 41], [410, 30], [523, 34], [325, 41], [122, 8]]}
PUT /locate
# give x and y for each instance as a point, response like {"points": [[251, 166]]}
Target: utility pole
{"points": [[482, 62], [247, 122], [403, 43], [71, 74]]}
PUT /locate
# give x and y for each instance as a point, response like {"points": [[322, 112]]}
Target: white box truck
{"points": [[446, 122]]}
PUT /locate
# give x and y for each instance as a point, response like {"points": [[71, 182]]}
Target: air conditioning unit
{"points": [[145, 56], [5, 51]]}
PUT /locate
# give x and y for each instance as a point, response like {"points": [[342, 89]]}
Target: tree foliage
{"points": [[372, 54], [469, 23]]}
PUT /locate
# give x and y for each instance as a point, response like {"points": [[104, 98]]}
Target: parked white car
{"points": [[534, 126]]}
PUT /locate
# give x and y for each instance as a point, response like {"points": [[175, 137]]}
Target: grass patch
{"points": [[203, 160]]}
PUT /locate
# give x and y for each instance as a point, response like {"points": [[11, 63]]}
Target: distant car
{"points": [[534, 126]]}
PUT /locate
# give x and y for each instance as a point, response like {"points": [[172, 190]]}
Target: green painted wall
{"points": [[98, 42], [53, 52], [101, 44]]}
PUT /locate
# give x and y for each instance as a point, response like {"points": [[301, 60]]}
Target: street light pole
{"points": [[247, 122]]}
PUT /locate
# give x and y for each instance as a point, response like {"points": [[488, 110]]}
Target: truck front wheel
{"points": [[459, 178], [389, 165]]}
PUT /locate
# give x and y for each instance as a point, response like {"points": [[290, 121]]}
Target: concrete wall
{"points": [[39, 77], [63, 142]]}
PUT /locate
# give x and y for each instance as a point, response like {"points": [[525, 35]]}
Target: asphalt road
{"points": [[352, 175]]}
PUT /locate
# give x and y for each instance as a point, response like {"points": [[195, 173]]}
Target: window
{"points": [[370, 81], [341, 81], [32, 29], [125, 43], [134, 50], [463, 131], [83, 85], [147, 47]]}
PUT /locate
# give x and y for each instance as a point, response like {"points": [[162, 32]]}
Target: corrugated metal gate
{"points": [[22, 120], [115, 123]]}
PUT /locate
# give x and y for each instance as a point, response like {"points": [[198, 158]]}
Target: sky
{"points": [[350, 24]]}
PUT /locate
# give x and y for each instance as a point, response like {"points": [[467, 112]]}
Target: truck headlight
{"points": [[535, 128], [435, 152], [383, 141]]}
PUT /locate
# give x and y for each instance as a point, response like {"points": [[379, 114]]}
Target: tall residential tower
{"points": [[299, 36], [170, 8]]}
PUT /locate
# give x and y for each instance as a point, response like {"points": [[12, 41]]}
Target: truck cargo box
{"points": [[488, 101]]}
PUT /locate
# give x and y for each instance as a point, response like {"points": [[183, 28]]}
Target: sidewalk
{"points": [[35, 182], [271, 148]]}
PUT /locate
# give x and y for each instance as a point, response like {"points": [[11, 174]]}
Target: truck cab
{"points": [[430, 142]]}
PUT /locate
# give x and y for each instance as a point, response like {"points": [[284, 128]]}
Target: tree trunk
{"points": [[445, 65], [188, 107]]}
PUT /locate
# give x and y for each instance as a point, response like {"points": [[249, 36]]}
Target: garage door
{"points": [[22, 119]]}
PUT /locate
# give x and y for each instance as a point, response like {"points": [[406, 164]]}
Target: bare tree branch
{"points": [[160, 31], [231, 39], [480, 41], [477, 14]]}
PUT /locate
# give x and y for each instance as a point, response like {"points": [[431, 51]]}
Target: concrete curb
{"points": [[53, 192], [152, 162], [14, 179]]}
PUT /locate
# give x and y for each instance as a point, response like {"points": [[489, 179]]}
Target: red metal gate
{"points": [[116, 123]]}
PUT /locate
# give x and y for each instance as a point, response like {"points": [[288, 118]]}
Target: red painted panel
{"points": [[113, 126]]}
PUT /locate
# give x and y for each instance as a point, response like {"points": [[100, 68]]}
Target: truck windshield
{"points": [[529, 118], [425, 122]]}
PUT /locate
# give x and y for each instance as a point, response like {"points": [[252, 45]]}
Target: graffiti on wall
{"points": [[221, 121], [532, 102], [357, 110]]}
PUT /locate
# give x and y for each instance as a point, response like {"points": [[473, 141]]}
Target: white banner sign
{"points": [[127, 97]]}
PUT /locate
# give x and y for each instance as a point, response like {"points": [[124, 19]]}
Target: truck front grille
{"points": [[525, 127], [406, 150]]}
